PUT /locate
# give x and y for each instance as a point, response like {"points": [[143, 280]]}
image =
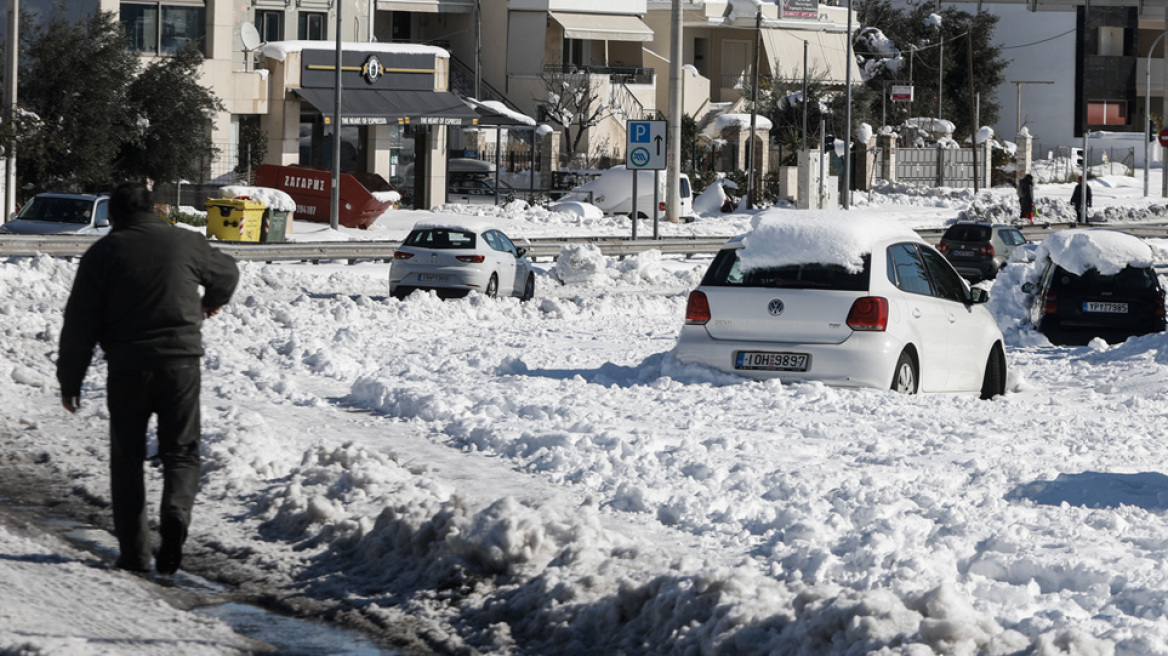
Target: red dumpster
{"points": [[312, 190]]}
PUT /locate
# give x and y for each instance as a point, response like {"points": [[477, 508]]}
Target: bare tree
{"points": [[574, 103]]}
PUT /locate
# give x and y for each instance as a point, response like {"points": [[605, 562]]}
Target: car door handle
{"points": [[952, 318], [916, 313]]}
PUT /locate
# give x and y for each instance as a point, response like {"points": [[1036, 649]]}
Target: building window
{"points": [[270, 25], [312, 26], [1111, 41], [1107, 112], [157, 27]]}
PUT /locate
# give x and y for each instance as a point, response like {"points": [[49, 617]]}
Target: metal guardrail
{"points": [[549, 247], [73, 246]]}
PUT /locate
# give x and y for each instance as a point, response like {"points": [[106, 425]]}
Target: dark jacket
{"points": [[137, 294], [1077, 194], [1026, 194]]}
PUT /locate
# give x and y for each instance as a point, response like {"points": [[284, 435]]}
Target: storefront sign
{"points": [[901, 94], [800, 8]]}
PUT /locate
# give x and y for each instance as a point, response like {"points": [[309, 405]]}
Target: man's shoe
{"points": [[174, 533], [131, 565]]}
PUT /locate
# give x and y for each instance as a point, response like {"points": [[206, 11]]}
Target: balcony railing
{"points": [[616, 74]]}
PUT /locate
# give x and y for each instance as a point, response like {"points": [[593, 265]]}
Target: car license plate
{"points": [[1111, 308], [758, 361], [964, 253], [433, 277]]}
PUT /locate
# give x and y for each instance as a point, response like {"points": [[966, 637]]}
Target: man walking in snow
{"points": [[136, 294], [1079, 197], [1026, 197]]}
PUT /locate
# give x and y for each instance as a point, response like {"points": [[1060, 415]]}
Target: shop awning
{"points": [[386, 107], [427, 6], [602, 27], [827, 55], [496, 114]]}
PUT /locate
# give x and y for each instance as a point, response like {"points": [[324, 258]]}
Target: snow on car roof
{"points": [[1108, 251], [785, 237], [464, 223]]}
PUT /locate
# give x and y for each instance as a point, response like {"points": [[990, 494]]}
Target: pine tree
{"points": [[74, 77], [173, 114]]}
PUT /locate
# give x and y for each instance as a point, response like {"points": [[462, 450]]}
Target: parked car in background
{"points": [[472, 182], [1095, 283], [612, 192], [853, 302], [454, 257], [61, 214], [980, 250]]}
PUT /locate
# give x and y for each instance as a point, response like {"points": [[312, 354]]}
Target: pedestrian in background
{"points": [[1080, 198], [136, 293], [1026, 197]]}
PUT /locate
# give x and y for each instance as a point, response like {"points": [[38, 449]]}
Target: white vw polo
{"points": [[847, 300]]}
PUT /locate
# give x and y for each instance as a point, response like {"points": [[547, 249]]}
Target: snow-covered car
{"points": [[1089, 283], [846, 300], [457, 256], [61, 214], [612, 192]]}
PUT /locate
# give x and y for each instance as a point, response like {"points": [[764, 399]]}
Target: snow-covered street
{"points": [[485, 476]]}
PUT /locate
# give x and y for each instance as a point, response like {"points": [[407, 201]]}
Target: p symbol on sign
{"points": [[640, 133]]}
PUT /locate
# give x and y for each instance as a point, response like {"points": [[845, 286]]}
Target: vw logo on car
{"points": [[775, 307]]}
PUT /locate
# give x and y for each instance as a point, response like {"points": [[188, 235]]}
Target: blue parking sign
{"points": [[646, 148]]}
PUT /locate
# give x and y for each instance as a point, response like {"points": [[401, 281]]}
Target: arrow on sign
{"points": [[658, 140]]}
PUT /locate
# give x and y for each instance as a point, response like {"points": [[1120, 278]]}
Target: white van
{"points": [[612, 192]]}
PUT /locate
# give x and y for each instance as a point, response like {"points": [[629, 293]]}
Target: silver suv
{"points": [[61, 214], [979, 250]]}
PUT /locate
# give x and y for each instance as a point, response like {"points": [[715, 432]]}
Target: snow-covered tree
{"points": [[574, 103]]}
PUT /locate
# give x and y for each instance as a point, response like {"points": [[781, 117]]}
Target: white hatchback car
{"points": [[848, 301], [454, 257]]}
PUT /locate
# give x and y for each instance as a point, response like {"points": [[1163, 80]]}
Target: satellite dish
{"points": [[250, 36]]}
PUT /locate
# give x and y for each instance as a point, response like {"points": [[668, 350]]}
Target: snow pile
{"points": [[741, 122], [782, 238], [585, 265], [710, 201]]}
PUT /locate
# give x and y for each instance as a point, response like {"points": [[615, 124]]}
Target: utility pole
{"points": [[848, 62], [335, 198], [750, 170], [673, 154], [11, 56]]}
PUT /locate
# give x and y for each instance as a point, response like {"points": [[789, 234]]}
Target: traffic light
{"points": [[1078, 153], [829, 143]]}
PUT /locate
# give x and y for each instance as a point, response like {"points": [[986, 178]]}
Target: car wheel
{"points": [[528, 288], [994, 382], [904, 377], [492, 286], [400, 293]]}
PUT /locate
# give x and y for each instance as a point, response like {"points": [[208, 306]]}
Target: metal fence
{"points": [[940, 167]]}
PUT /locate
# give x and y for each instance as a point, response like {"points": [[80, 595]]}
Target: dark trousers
{"points": [[172, 394]]}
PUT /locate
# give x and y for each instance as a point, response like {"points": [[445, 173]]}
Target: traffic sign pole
{"points": [[645, 150]]}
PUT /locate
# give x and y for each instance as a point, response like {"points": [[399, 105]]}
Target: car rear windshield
{"points": [[58, 210], [1130, 279], [726, 271], [441, 238], [967, 233]]}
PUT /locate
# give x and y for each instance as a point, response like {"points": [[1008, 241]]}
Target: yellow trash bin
{"points": [[234, 219]]}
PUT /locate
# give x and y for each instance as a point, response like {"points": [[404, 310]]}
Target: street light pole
{"points": [[335, 197], [848, 62], [11, 55], [1148, 108]]}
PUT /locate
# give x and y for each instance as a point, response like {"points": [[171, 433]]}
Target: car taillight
{"points": [[661, 206], [1051, 306], [402, 255], [986, 249], [471, 259], [1160, 305], [943, 247], [697, 309], [869, 313]]}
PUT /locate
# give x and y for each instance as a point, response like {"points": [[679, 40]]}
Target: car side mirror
{"points": [[101, 222], [520, 252], [1029, 288], [978, 295]]}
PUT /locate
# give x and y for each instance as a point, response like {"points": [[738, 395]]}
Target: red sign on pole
{"points": [[1163, 136]]}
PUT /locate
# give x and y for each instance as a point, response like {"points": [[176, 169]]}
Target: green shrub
{"points": [[172, 214]]}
